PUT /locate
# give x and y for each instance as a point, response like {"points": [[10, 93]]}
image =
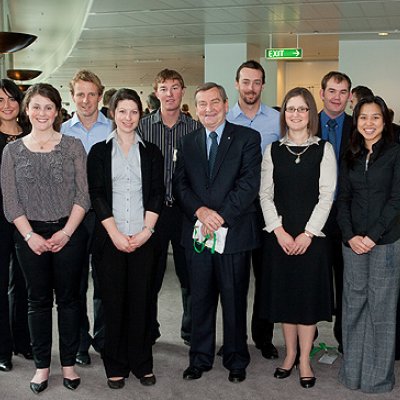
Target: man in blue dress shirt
{"points": [[251, 112], [90, 126]]}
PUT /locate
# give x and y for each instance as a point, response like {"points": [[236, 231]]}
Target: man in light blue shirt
{"points": [[90, 126], [87, 124], [251, 112]]}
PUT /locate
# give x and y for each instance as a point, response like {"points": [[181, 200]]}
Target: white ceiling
{"points": [[126, 42]]}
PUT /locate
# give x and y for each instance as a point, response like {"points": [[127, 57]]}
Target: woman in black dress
{"points": [[14, 332], [298, 183]]}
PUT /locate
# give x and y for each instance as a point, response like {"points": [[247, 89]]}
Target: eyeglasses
{"points": [[301, 110]]}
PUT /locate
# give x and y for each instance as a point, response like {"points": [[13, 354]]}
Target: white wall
{"points": [[307, 74], [376, 64]]}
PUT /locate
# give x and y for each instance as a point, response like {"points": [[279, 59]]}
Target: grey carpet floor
{"points": [[171, 358]]}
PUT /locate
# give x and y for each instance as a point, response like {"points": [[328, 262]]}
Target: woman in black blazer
{"points": [[126, 188]]}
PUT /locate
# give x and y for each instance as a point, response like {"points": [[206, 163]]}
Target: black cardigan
{"points": [[100, 182]]}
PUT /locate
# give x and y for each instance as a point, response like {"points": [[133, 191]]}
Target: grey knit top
{"points": [[44, 186]]}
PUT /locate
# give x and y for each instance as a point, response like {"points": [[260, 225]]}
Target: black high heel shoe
{"points": [[38, 387], [282, 373], [307, 382], [71, 384]]}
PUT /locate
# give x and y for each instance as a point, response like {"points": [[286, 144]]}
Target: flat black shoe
{"points": [[38, 387], [148, 380], [191, 373], [307, 382], [269, 351], [71, 384], [83, 358], [116, 384], [237, 375], [6, 365]]}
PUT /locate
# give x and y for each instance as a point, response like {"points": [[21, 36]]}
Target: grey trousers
{"points": [[370, 292]]}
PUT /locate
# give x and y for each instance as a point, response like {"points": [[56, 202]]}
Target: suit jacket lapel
{"points": [[200, 140], [224, 144]]}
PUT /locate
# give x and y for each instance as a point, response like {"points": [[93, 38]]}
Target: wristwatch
{"points": [[28, 236]]}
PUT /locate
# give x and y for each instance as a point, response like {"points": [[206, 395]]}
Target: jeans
{"points": [[49, 273]]}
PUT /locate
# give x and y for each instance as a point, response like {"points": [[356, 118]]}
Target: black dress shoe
{"points": [[28, 355], [38, 387], [307, 382], [116, 384], [71, 384], [237, 375], [83, 358], [269, 351], [148, 380], [191, 373], [6, 365]]}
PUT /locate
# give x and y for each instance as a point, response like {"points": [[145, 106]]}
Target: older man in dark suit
{"points": [[217, 182]]}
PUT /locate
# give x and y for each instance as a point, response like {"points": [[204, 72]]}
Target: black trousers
{"points": [[86, 340], [262, 330], [225, 276], [49, 273], [125, 283], [14, 331], [169, 230]]}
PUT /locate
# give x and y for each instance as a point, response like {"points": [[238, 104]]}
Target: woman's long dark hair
{"points": [[356, 146], [12, 90]]}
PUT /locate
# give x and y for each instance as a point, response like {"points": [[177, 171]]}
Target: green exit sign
{"points": [[283, 54]]}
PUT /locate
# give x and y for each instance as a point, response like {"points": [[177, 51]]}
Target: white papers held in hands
{"points": [[214, 243]]}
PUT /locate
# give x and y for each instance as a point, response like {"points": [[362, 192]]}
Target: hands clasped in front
{"points": [[292, 246], [361, 244], [39, 245], [210, 219], [127, 243]]}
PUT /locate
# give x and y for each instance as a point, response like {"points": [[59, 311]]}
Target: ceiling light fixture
{"points": [[11, 42], [23, 74]]}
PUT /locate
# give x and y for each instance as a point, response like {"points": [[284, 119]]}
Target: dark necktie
{"points": [[332, 124], [213, 152]]}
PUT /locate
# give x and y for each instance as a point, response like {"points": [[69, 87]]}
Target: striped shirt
{"points": [[152, 129]]}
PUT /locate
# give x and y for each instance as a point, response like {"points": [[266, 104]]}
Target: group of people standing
{"points": [[116, 194]]}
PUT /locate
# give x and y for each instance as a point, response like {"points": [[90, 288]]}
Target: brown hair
{"points": [[51, 93], [337, 76], [167, 74], [210, 85], [87, 76], [252, 64], [313, 121]]}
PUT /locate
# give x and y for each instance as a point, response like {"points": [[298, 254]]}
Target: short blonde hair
{"points": [[87, 76]]}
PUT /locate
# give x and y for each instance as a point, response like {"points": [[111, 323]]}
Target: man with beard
{"points": [[251, 112]]}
